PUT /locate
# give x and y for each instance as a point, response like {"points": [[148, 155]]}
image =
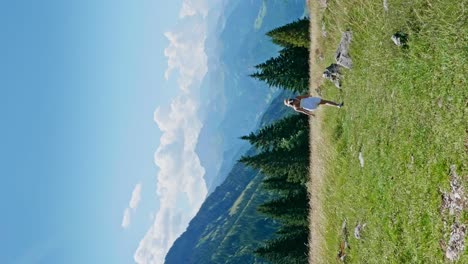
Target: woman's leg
{"points": [[326, 102]]}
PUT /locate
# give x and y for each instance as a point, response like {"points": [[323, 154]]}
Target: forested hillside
{"points": [[259, 214]]}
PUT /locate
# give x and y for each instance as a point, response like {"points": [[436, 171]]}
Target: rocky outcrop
{"points": [[342, 53], [455, 202], [456, 244]]}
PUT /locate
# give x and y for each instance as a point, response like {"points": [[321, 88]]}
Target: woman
{"points": [[306, 104]]}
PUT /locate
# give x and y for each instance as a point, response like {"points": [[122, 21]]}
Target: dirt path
{"points": [[317, 147]]}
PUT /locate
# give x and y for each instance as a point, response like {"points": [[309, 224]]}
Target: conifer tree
{"points": [[284, 149], [293, 163], [291, 209], [289, 70], [291, 229], [286, 249], [281, 184], [281, 134], [295, 34]]}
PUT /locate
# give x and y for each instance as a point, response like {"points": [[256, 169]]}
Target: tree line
{"points": [[283, 149]]}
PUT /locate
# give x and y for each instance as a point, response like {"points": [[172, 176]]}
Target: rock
{"points": [[456, 244], [324, 31], [332, 73], [358, 229], [361, 159], [344, 242], [396, 40], [341, 253], [345, 234], [342, 53], [400, 38], [454, 200]]}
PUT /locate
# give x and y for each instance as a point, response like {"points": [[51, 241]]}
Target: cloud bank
{"points": [[181, 188], [180, 185]]}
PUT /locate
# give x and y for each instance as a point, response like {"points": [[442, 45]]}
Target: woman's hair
{"points": [[289, 102]]}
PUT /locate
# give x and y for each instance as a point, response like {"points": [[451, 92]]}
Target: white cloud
{"points": [[187, 10], [181, 188], [136, 197], [186, 53], [180, 184], [194, 7], [126, 218], [132, 206]]}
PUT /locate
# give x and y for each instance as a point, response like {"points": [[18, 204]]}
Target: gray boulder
{"points": [[456, 244], [342, 53], [332, 73]]}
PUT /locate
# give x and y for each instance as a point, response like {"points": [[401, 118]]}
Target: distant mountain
{"points": [[227, 229], [233, 103]]}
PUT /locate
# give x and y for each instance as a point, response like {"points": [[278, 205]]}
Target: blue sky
{"points": [[80, 81]]}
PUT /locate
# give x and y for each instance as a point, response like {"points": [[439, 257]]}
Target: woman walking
{"points": [[306, 104]]}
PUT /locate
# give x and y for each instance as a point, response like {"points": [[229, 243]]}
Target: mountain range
{"points": [[228, 228], [234, 102]]}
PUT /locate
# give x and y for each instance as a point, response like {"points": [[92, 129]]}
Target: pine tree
{"points": [[293, 163], [291, 209], [286, 249], [290, 229], [284, 133], [282, 185], [289, 70], [295, 34]]}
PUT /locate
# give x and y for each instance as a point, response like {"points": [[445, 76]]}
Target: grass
{"points": [[235, 206], [406, 109]]}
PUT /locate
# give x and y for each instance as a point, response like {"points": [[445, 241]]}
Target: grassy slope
{"points": [[392, 98]]}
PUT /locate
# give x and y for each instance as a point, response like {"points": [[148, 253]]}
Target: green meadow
{"points": [[406, 111]]}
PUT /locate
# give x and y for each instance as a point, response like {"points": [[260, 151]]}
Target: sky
{"points": [[98, 103]]}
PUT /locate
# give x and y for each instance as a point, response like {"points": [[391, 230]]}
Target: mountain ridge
{"points": [[228, 228], [234, 101]]}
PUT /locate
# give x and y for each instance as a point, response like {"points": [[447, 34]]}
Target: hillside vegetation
{"points": [[228, 228], [259, 213], [283, 149], [406, 115]]}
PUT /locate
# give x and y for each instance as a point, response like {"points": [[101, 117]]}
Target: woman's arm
{"points": [[306, 112]]}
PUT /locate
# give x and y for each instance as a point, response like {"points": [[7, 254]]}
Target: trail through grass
{"points": [[316, 216]]}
